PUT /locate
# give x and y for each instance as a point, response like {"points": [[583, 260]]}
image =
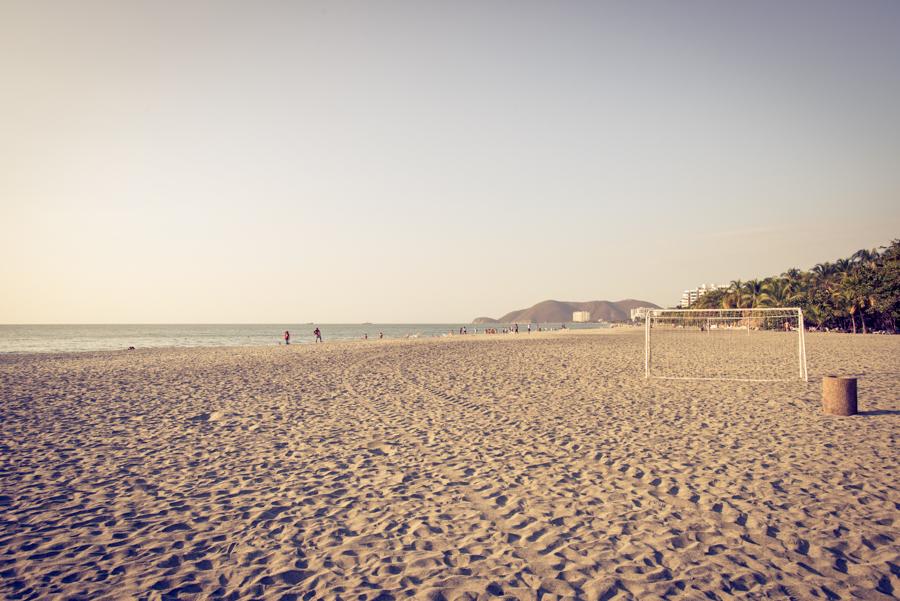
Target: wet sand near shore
{"points": [[538, 466]]}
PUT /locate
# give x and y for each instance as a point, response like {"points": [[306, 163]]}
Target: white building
{"points": [[640, 313], [581, 316], [689, 297]]}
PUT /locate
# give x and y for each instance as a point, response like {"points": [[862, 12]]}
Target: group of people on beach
{"points": [[514, 329], [317, 333]]}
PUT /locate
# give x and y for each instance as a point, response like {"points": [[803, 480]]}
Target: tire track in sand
{"points": [[526, 548]]}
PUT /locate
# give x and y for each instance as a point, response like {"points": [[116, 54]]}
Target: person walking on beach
{"points": [[517, 328], [287, 337], [318, 335]]}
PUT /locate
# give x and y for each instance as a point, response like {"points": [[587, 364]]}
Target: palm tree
{"points": [[843, 266], [733, 297], [792, 274], [861, 293], [777, 292], [817, 314], [867, 258], [751, 293], [842, 298], [823, 271]]}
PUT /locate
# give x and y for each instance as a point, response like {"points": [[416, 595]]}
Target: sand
{"points": [[529, 467]]}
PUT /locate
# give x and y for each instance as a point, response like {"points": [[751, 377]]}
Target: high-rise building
{"points": [[689, 297]]}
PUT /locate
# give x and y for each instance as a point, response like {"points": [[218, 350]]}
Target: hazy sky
{"points": [[397, 162]]}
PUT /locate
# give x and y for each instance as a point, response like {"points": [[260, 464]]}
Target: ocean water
{"points": [[74, 338]]}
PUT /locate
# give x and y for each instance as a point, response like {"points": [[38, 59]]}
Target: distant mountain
{"points": [[552, 311]]}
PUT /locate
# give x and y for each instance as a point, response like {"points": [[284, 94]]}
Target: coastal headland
{"points": [[554, 311], [530, 466]]}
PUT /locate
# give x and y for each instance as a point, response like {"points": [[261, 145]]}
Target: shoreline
{"points": [[372, 340], [67, 339]]}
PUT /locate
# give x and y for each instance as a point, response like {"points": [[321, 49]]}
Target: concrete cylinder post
{"points": [[839, 395]]}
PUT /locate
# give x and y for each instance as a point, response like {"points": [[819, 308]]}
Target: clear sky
{"points": [[427, 162]]}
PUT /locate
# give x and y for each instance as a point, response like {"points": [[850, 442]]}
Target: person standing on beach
{"points": [[517, 328], [287, 337], [318, 335]]}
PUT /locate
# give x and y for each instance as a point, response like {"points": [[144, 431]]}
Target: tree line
{"points": [[860, 293]]}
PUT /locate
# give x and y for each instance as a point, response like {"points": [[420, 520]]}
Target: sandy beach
{"points": [[538, 466]]}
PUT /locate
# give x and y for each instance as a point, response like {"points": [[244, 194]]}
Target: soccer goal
{"points": [[751, 345]]}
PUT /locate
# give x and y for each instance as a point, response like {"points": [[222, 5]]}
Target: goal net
{"points": [[725, 344]]}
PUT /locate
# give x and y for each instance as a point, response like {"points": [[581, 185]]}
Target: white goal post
{"points": [[751, 345]]}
